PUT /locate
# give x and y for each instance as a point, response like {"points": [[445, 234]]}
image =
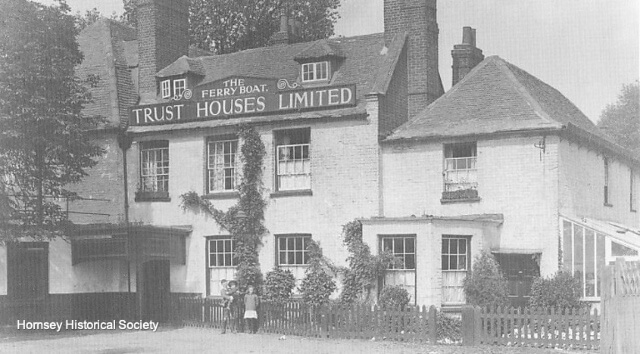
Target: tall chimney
{"points": [[163, 37], [465, 56], [418, 19], [283, 36]]}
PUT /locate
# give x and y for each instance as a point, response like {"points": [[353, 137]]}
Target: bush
{"points": [[317, 284], [278, 285], [486, 285], [562, 290], [448, 327], [394, 297]]}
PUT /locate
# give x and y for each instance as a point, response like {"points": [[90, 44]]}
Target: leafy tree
{"points": [[43, 142], [562, 290], [486, 285], [621, 120], [318, 284], [89, 17], [227, 26], [279, 284]]}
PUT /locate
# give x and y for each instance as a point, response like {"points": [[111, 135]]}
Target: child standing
{"points": [[251, 303]]}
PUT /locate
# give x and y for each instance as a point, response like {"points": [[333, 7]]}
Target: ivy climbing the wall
{"points": [[246, 231], [364, 269]]}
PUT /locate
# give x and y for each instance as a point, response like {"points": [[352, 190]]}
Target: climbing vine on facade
{"points": [[246, 231], [364, 269]]}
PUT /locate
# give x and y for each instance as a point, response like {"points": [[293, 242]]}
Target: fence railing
{"points": [[365, 322], [538, 327], [621, 307]]}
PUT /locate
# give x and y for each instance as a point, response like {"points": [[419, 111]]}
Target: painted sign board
{"points": [[242, 96]]}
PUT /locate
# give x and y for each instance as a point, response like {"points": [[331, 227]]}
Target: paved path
{"points": [[195, 340]]}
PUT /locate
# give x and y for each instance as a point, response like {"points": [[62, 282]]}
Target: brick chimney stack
{"points": [[163, 37], [418, 19], [465, 56], [289, 30]]}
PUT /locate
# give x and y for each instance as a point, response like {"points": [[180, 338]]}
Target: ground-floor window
{"points": [[455, 261], [292, 249], [221, 262], [403, 248]]}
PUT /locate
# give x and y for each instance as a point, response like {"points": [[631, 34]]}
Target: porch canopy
{"points": [[133, 242]]}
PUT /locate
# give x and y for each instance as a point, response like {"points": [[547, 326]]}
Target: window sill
{"points": [[152, 197], [294, 193], [462, 200], [293, 265], [222, 195], [608, 205]]}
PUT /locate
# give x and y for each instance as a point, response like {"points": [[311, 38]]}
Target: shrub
{"points": [[486, 285], [448, 327], [394, 297], [317, 284], [561, 290], [279, 284]]}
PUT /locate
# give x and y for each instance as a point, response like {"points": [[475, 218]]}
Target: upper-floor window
{"points": [[632, 191], [607, 189], [293, 161], [172, 88], [315, 71], [221, 252], [154, 166], [460, 173], [165, 88], [292, 249], [222, 165], [403, 248]]}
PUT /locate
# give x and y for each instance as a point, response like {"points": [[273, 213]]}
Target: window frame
{"points": [[467, 253], [232, 252], [161, 146], [404, 254], [632, 191], [165, 88], [183, 84], [212, 169], [304, 162], [607, 180], [313, 69], [304, 252]]}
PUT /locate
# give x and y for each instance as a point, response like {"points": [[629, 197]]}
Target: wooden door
{"points": [[520, 270], [155, 290]]}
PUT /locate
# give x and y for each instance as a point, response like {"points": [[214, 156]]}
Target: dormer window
{"points": [[318, 71], [165, 88], [173, 88]]}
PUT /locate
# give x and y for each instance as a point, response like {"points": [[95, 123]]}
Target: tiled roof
{"points": [[495, 97], [320, 49], [182, 66]]}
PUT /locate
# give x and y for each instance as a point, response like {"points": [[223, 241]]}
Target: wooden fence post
{"points": [[433, 324], [470, 324]]}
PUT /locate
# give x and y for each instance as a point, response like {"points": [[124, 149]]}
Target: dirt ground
{"points": [[188, 340]]}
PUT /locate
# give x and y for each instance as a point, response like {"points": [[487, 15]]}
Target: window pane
{"points": [[299, 257], [291, 259], [600, 259], [462, 247], [291, 243], [220, 262], [387, 244], [445, 245], [578, 261], [410, 261], [398, 246], [227, 259], [283, 258], [589, 261], [227, 246], [299, 243], [445, 262], [462, 262], [213, 246], [618, 250], [409, 245], [567, 246], [453, 247]]}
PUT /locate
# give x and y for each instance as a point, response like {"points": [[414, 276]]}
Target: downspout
{"points": [[124, 142]]}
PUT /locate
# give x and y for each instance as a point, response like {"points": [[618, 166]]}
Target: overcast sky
{"points": [[584, 48]]}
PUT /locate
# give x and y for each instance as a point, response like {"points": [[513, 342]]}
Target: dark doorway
{"points": [[28, 271], [155, 291], [520, 270]]}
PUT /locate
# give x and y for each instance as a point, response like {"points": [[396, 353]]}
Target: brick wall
{"points": [[514, 179], [418, 18], [163, 37], [344, 179], [582, 185]]}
